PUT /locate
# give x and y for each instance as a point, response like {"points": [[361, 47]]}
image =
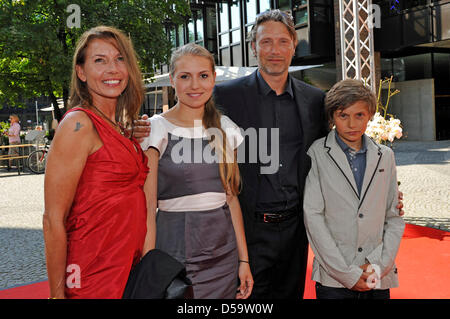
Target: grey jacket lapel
{"points": [[373, 158], [337, 155]]}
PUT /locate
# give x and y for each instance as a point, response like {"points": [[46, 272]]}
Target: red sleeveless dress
{"points": [[106, 225]]}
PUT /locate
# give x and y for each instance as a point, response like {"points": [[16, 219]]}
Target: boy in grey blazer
{"points": [[350, 201]]}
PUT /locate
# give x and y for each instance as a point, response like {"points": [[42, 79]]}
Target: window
{"points": [[264, 5], [251, 10], [300, 11], [407, 68], [223, 17], [225, 39], [199, 26], [224, 25], [181, 35], [173, 36], [408, 4], [301, 16], [191, 30], [236, 36], [284, 5], [235, 15], [225, 56], [235, 22], [230, 32], [211, 30], [320, 14], [237, 55]]}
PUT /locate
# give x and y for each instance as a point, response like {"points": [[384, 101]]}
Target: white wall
{"points": [[414, 106]]}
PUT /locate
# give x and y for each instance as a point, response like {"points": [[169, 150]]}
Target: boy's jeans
{"points": [[324, 292]]}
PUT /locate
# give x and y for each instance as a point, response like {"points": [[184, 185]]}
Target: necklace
{"points": [[115, 124]]}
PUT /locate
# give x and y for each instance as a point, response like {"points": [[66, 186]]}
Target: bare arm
{"points": [[151, 189], [245, 275], [73, 142]]}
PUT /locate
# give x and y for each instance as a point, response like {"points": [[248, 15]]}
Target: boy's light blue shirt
{"points": [[357, 160]]}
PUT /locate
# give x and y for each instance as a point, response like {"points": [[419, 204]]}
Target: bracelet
{"points": [[243, 261]]}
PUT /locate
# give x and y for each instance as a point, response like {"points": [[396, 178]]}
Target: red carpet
{"points": [[38, 290], [422, 264], [422, 261]]}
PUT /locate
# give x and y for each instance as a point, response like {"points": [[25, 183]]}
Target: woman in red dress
{"points": [[95, 209]]}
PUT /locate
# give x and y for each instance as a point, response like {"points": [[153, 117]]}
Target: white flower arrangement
{"points": [[382, 130], [379, 129]]}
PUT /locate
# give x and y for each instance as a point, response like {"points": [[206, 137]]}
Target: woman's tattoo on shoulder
{"points": [[78, 127]]}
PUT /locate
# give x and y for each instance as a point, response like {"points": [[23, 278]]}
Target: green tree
{"points": [[37, 43]]}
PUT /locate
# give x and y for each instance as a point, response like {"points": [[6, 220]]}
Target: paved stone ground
{"points": [[423, 169], [22, 258]]}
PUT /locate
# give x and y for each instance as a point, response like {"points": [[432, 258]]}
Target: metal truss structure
{"points": [[356, 37]]}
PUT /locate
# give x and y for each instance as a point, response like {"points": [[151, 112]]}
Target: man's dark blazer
{"points": [[239, 99]]}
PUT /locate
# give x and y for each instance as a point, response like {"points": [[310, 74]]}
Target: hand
{"points": [[361, 284], [400, 204], [246, 279], [141, 128], [364, 267]]}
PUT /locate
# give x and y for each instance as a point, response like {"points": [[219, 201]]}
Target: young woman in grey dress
{"points": [[191, 189]]}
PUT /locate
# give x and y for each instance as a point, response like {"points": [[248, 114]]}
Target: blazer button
{"points": [[360, 249], [361, 215]]}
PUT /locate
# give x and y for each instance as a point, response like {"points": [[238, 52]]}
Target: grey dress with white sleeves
{"points": [[193, 220]]}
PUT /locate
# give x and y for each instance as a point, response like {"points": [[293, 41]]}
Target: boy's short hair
{"points": [[345, 93]]}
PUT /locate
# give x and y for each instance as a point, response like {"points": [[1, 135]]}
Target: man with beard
{"points": [[272, 203]]}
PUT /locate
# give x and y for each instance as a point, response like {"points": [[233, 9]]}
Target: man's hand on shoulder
{"points": [[400, 204], [141, 128]]}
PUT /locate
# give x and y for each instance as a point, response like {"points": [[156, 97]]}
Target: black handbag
{"points": [[158, 276]]}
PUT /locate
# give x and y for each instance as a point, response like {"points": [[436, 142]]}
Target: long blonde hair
{"points": [[130, 101], [228, 167]]}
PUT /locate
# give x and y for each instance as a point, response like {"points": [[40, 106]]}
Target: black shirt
{"points": [[279, 191]]}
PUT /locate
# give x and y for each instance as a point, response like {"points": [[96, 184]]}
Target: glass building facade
{"points": [[413, 41], [414, 44], [222, 27]]}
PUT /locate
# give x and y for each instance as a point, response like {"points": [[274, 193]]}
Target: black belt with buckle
{"points": [[276, 217]]}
